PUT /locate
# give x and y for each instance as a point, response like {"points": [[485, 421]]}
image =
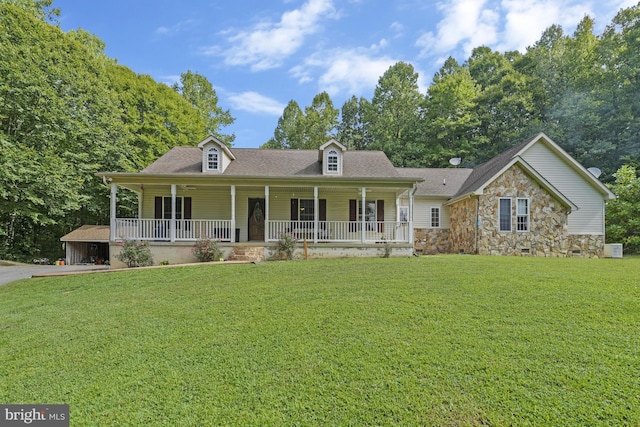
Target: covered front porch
{"points": [[231, 213]]}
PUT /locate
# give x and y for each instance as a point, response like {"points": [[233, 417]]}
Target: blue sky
{"points": [[260, 54]]}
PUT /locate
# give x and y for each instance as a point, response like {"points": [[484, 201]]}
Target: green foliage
{"points": [[503, 341], [623, 213], [394, 118], [286, 246], [68, 111], [207, 250], [306, 130], [196, 89], [135, 253], [352, 130]]}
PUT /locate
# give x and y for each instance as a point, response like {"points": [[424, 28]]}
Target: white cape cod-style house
{"points": [[534, 199]]}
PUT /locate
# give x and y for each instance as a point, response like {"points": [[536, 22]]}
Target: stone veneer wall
{"points": [[548, 231], [586, 245], [462, 228], [432, 241]]}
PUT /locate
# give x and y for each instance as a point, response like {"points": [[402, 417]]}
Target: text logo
{"points": [[34, 415]]}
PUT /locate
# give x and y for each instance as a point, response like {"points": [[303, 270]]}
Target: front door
{"points": [[256, 219]]}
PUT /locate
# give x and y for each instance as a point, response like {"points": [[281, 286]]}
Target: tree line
{"points": [[580, 89], [67, 111]]}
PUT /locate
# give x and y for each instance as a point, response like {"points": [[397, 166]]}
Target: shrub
{"points": [[135, 253], [206, 250], [286, 246]]}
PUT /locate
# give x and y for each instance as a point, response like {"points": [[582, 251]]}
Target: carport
{"points": [[88, 244]]}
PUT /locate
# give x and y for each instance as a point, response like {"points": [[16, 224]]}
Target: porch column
{"points": [[233, 214], [266, 213], [411, 192], [172, 224], [363, 232], [316, 213], [140, 198], [112, 213]]}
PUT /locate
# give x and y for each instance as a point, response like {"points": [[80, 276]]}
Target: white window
{"points": [[504, 214], [404, 214], [307, 211], [332, 161], [369, 213], [213, 159], [166, 207], [435, 217], [522, 214]]}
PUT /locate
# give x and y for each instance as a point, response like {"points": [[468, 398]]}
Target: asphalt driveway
{"points": [[16, 272]]}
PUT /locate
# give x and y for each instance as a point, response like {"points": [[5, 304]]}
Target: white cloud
{"points": [[507, 25], [176, 28], [267, 44], [343, 71], [253, 102], [526, 21], [465, 22]]}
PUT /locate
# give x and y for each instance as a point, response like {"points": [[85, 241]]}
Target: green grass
{"points": [[452, 340]]}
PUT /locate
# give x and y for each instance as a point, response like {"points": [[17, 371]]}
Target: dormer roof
{"points": [[220, 144]]}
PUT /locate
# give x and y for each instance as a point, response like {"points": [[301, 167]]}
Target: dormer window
{"points": [[213, 159], [331, 155], [332, 161]]}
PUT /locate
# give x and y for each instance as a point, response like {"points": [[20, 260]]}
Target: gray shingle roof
{"points": [[482, 173], [438, 182], [275, 163]]}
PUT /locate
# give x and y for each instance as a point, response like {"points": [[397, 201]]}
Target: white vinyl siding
{"points": [[211, 203], [422, 212], [589, 218]]}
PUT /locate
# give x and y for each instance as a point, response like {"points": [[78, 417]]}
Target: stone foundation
{"points": [[432, 241], [586, 246]]}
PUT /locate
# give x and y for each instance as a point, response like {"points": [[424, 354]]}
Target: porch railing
{"points": [[327, 231], [160, 229], [341, 231]]}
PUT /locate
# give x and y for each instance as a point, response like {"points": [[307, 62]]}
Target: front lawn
{"points": [[452, 340]]}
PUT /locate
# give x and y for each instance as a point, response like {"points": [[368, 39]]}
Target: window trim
{"points": [[526, 216], [210, 152], [166, 207], [333, 161], [370, 217], [500, 215], [309, 203], [438, 223]]}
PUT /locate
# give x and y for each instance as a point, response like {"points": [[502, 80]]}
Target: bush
{"points": [[286, 246], [207, 250], [135, 253]]}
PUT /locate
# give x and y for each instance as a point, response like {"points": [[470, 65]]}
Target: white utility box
{"points": [[613, 250]]}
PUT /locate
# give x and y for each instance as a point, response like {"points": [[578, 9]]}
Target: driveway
{"points": [[16, 272]]}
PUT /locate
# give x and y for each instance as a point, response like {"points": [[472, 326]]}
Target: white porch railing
{"points": [[341, 231], [194, 229], [220, 229], [160, 229]]}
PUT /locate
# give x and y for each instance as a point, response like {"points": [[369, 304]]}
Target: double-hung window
{"points": [[504, 214], [435, 218], [522, 214], [332, 161], [166, 207], [307, 211], [213, 159]]}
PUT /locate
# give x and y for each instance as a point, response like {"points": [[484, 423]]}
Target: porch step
{"points": [[246, 253]]}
